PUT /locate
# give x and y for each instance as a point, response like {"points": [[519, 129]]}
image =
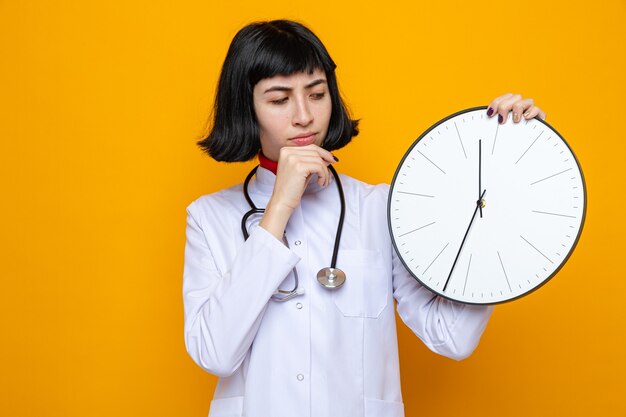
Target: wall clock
{"points": [[484, 213]]}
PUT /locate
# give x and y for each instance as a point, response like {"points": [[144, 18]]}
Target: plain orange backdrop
{"points": [[100, 107]]}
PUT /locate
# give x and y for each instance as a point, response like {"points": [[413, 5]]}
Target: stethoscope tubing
{"points": [[255, 210]]}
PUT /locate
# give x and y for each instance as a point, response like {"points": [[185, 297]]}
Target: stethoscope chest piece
{"points": [[331, 277]]}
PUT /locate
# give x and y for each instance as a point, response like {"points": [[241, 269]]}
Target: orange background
{"points": [[100, 107]]}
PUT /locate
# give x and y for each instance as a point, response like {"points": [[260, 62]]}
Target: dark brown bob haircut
{"points": [[262, 50]]}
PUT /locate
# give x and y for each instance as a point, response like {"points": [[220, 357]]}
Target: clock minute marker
{"points": [[417, 194], [467, 273], [460, 141], [495, 138], [531, 145], [533, 246], [550, 176], [505, 275], [437, 166], [415, 230], [553, 214], [433, 261]]}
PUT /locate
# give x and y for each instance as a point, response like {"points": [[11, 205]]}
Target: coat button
{"points": [[300, 377], [299, 306], [297, 242]]}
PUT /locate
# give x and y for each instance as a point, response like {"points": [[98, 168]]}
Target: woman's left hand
{"points": [[521, 107]]}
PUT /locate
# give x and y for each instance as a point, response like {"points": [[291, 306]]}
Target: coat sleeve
{"points": [[446, 327], [223, 309], [449, 328]]}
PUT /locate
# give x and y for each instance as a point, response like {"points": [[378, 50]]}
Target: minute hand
{"points": [[480, 186], [478, 204]]}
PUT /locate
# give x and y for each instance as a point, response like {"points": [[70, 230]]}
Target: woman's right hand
{"points": [[296, 166]]}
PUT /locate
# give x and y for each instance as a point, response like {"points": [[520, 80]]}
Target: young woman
{"points": [[287, 335]]}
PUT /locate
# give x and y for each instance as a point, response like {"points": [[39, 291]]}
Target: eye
{"points": [[318, 96], [279, 100]]}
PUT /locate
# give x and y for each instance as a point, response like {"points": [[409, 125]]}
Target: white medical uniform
{"points": [[325, 352]]}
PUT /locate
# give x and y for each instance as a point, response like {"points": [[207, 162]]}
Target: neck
{"points": [[267, 163]]}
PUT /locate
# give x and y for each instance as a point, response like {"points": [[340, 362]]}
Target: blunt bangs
{"points": [[283, 53], [263, 50]]}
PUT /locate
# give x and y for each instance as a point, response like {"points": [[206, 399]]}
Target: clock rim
{"points": [[535, 288]]}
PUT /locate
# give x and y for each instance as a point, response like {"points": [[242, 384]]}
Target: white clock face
{"points": [[534, 200]]}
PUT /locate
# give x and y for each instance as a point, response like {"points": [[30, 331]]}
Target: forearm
{"points": [[446, 327], [223, 309], [275, 218]]}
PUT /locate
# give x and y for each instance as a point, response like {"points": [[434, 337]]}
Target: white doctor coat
{"points": [[325, 352]]}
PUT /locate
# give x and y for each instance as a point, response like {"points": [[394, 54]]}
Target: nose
{"points": [[302, 113]]}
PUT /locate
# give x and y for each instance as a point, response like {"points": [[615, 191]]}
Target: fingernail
{"points": [[526, 114], [500, 119], [489, 111], [336, 159], [516, 117]]}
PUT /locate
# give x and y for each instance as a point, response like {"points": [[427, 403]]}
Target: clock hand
{"points": [[478, 204]]}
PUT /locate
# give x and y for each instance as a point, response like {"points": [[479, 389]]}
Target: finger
{"points": [[311, 149], [323, 153], [310, 157], [309, 165], [534, 112], [519, 107], [493, 106], [542, 114], [293, 157], [319, 168], [505, 106]]}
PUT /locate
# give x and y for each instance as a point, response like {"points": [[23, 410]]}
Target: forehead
{"points": [[292, 80]]}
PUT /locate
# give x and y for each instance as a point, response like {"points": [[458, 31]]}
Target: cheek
{"points": [[273, 125], [325, 114]]}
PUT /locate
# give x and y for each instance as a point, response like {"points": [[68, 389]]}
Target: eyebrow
{"points": [[283, 88]]}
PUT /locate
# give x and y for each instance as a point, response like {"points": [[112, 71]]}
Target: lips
{"points": [[304, 139]]}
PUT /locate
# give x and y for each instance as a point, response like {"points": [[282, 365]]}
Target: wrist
{"points": [[275, 218]]}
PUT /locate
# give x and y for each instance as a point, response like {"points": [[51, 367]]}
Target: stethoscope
{"points": [[330, 277]]}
